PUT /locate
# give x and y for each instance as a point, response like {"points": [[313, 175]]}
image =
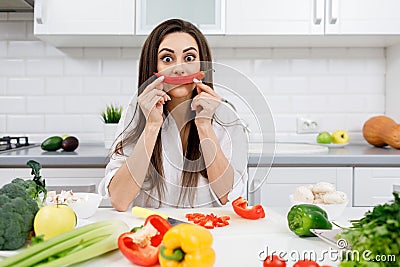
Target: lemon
{"points": [[53, 220]]}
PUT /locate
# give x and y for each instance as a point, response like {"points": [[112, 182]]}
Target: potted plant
{"points": [[111, 117]]}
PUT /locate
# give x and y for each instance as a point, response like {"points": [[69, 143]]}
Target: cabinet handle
{"points": [[317, 14], [333, 12], [38, 12]]}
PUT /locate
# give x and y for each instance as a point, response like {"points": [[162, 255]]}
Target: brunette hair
{"points": [[154, 180]]}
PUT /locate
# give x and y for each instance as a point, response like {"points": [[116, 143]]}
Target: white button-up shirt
{"points": [[232, 139]]}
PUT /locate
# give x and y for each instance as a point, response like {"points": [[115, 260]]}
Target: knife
{"points": [[142, 212], [329, 236]]}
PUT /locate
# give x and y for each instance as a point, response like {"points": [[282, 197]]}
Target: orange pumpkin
{"points": [[373, 127], [391, 136]]}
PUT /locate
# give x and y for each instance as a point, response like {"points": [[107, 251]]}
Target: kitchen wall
{"points": [[46, 90]]}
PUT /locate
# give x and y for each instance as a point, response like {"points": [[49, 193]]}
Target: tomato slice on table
{"points": [[274, 261], [306, 263]]}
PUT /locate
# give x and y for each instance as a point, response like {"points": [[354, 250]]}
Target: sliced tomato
{"points": [[306, 263], [274, 261]]}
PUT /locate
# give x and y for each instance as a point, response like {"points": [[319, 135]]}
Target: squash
{"points": [[373, 127], [391, 136]]}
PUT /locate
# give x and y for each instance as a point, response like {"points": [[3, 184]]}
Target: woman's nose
{"points": [[178, 70]]}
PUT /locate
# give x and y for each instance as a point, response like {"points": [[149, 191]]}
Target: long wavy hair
{"points": [[154, 180]]}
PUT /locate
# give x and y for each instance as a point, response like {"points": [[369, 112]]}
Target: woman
{"points": [[171, 149]]}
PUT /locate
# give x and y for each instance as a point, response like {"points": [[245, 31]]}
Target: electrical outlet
{"points": [[307, 125]]}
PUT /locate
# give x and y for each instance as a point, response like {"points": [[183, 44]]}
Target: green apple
{"points": [[53, 220], [340, 137], [65, 136], [324, 138]]}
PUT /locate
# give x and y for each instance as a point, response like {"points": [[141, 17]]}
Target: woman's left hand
{"points": [[205, 103]]}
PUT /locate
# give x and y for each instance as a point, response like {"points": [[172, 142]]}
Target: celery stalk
{"points": [[75, 246]]}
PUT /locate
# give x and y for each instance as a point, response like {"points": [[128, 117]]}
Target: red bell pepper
{"points": [[142, 247], [181, 80], [208, 221], [240, 207]]}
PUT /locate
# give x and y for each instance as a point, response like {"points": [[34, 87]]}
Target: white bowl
{"points": [[86, 205], [334, 211]]}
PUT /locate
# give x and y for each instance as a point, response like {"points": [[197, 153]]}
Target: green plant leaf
{"points": [[112, 114]]}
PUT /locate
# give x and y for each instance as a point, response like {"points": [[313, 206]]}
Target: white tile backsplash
{"points": [[12, 67], [3, 49], [29, 49], [82, 66], [64, 85], [12, 105], [44, 67], [46, 90], [25, 86], [45, 104], [25, 124]]}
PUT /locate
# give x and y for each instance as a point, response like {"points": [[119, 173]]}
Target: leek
{"points": [[72, 247]]}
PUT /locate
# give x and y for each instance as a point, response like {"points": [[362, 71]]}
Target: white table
{"points": [[240, 243]]}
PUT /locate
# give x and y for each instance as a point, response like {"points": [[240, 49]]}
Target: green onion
{"points": [[75, 246]]}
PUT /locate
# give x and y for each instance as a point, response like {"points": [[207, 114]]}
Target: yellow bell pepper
{"points": [[187, 245]]}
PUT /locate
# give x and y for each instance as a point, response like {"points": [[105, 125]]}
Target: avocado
{"points": [[52, 143], [70, 143]]}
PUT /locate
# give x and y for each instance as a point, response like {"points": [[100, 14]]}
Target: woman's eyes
{"points": [[190, 58], [169, 59]]}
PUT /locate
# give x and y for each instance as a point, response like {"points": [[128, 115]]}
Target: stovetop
{"points": [[12, 143]]}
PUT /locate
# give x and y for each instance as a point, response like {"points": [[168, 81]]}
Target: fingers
{"points": [[201, 87], [157, 83], [153, 98]]}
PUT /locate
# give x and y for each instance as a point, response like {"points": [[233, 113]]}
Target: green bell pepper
{"points": [[303, 217]]}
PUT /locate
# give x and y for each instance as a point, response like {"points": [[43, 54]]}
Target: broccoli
{"points": [[20, 200], [16, 221]]}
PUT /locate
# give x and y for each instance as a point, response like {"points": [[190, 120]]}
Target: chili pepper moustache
{"points": [[181, 80], [240, 207]]}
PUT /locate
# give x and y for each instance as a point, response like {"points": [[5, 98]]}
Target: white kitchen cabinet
{"points": [[373, 185], [362, 17], [313, 17], [208, 15], [85, 23], [282, 181], [274, 17], [75, 179], [84, 17]]}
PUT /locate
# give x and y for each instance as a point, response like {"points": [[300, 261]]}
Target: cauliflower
{"points": [[336, 197], [323, 187], [303, 194], [320, 193]]}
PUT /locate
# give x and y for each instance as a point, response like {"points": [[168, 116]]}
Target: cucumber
{"points": [[52, 143]]}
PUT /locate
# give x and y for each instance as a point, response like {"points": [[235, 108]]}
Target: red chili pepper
{"points": [[147, 254], [240, 207], [181, 80], [208, 221]]}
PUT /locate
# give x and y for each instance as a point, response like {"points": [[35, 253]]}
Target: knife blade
{"points": [[144, 213], [329, 236]]}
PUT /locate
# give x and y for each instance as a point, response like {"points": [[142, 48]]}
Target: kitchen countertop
{"points": [[96, 156], [240, 243]]}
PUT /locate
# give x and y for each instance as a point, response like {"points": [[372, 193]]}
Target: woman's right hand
{"points": [[151, 101]]}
